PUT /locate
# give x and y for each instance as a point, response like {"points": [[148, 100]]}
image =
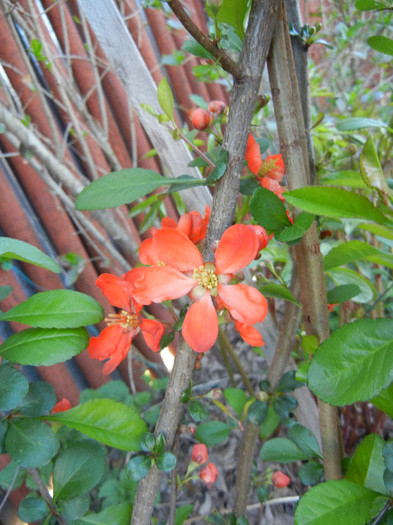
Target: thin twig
{"points": [[42, 489], [7, 494]]}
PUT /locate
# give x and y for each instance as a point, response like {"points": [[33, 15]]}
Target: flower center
{"points": [[124, 319], [266, 167], [206, 276]]}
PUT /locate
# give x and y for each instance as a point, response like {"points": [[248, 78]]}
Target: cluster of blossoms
{"points": [[174, 267], [208, 473], [201, 119]]}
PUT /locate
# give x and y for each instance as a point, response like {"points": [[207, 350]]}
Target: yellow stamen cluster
{"points": [[124, 319], [266, 167], [206, 276]]}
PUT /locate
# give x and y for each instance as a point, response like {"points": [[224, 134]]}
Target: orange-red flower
{"points": [[208, 474], [181, 270], [114, 341], [253, 155], [61, 406], [272, 185], [199, 453], [249, 334], [280, 480], [191, 224], [272, 167]]}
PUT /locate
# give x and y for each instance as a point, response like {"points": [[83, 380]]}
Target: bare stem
{"points": [[42, 489]]}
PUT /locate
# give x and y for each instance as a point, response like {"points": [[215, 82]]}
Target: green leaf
{"points": [[236, 398], [384, 400], [107, 421], [283, 405], [371, 168], [165, 98], [56, 309], [340, 294], [148, 442], [359, 350], [279, 291], [220, 159], [355, 123], [288, 382], [248, 186], [138, 467], [5, 291], [368, 5], [335, 202], [305, 440], [166, 461], [367, 464], [268, 210], [40, 399], [212, 432], [257, 412], [377, 229], [31, 443], [353, 251], [37, 346], [182, 513], [381, 43], [311, 473], [347, 276], [191, 46], [32, 509], [198, 410], [281, 450], [270, 424], [3, 433], [121, 187], [233, 12], [78, 469], [309, 343], [335, 502], [74, 509], [22, 251], [115, 515], [344, 178], [159, 444], [295, 231], [13, 387]]}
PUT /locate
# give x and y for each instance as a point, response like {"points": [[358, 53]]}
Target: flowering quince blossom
{"points": [[179, 269], [208, 474], [280, 480], [253, 155], [61, 406], [192, 224], [199, 454], [115, 340]]}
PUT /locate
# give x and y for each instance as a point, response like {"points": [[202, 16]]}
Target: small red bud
{"points": [[208, 474], [61, 406], [200, 118], [191, 428], [199, 453], [216, 106], [280, 480]]}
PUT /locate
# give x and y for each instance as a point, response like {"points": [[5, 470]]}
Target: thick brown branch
{"points": [[224, 59]]}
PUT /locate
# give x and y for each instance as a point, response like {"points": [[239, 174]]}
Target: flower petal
{"points": [[272, 185], [111, 287], [152, 331], [113, 343], [147, 252], [200, 327], [175, 249], [253, 154], [278, 171], [249, 334], [237, 248], [193, 225], [245, 303], [160, 283]]}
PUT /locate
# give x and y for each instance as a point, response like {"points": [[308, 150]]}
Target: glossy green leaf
{"points": [[279, 291], [236, 398], [387, 454], [74, 509], [257, 412], [212, 432], [107, 421], [381, 43], [342, 293], [288, 383], [115, 515], [232, 12], [335, 202], [309, 343], [31, 443], [368, 5], [367, 464], [281, 450], [22, 251], [377, 229], [13, 387], [78, 469], [270, 424], [3, 433], [5, 291], [305, 440], [295, 231], [284, 405], [148, 442], [355, 363], [56, 309], [268, 210], [182, 513], [159, 444], [355, 123], [40, 399], [349, 178], [166, 461], [165, 98], [220, 159], [384, 400], [311, 473], [191, 46], [138, 467], [348, 276], [336, 502], [371, 168], [198, 410], [38, 346], [353, 251], [32, 509]]}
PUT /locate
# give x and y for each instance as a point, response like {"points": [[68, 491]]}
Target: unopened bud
{"points": [[263, 397], [191, 428]]}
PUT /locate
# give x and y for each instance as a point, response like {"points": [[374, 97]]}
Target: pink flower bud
{"points": [[200, 118], [208, 474], [280, 480], [216, 106], [199, 454]]}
